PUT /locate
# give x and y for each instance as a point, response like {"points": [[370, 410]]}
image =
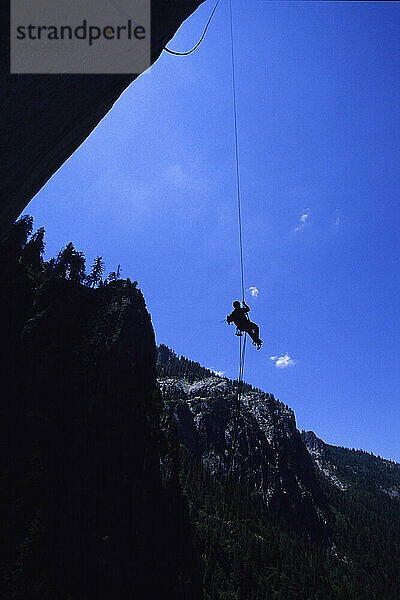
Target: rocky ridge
{"points": [[348, 469], [269, 453], [320, 455]]}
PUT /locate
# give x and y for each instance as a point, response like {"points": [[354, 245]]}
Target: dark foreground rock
{"points": [[91, 506], [44, 118]]}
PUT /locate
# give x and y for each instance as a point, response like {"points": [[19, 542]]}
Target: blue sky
{"points": [[153, 188]]}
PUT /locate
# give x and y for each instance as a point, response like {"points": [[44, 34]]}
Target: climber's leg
{"points": [[254, 333]]}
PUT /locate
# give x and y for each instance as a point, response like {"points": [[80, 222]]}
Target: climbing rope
{"points": [[200, 40], [239, 203], [235, 125], [242, 352], [242, 346]]}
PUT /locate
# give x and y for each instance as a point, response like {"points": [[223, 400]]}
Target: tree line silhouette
{"points": [[23, 246]]}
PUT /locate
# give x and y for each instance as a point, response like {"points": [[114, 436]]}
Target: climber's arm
{"points": [[229, 318]]}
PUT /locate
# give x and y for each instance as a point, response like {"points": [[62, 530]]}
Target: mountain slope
{"points": [[258, 511], [265, 451], [364, 494]]}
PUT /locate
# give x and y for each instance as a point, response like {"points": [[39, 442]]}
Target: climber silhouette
{"points": [[241, 319]]}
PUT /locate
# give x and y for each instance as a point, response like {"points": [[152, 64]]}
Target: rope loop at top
{"points": [[200, 40]]}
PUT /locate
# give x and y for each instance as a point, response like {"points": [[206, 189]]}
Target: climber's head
{"points": [[236, 304]]}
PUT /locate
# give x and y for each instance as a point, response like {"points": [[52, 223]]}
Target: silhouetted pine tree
{"points": [[12, 244], [77, 268], [70, 264], [114, 275], [32, 253], [94, 277]]}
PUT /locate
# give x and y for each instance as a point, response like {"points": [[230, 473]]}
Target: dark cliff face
{"points": [[46, 117], [87, 510], [269, 454]]}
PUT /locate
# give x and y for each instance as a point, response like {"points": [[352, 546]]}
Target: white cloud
{"points": [[253, 291], [305, 214], [283, 361], [338, 218]]}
